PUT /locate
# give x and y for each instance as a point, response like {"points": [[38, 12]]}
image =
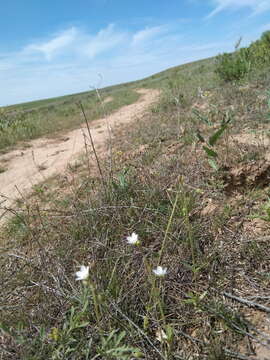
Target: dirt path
{"points": [[46, 157]]}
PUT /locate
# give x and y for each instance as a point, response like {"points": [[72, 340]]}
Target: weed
{"points": [[112, 347], [209, 145]]}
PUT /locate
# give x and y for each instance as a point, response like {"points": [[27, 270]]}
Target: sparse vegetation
{"points": [[175, 265], [50, 117]]}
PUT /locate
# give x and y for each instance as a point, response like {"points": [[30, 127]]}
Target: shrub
{"points": [[266, 37], [260, 51], [233, 66]]}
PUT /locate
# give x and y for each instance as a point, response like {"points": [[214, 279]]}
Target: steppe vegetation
{"points": [[169, 242], [21, 123]]}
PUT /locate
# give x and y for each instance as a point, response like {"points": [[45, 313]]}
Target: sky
{"points": [[52, 48]]}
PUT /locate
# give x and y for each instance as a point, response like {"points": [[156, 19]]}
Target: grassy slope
{"points": [[208, 228], [23, 122], [107, 91], [49, 117]]}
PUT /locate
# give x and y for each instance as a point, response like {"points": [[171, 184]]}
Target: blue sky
{"points": [[52, 48]]}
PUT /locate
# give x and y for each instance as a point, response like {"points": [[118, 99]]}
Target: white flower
{"points": [[133, 239], [83, 273], [160, 271], [161, 335]]}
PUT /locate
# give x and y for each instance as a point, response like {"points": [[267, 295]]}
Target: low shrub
{"points": [[233, 66], [237, 65]]}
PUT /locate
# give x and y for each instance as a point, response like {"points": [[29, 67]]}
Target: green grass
{"points": [[160, 186], [24, 122]]}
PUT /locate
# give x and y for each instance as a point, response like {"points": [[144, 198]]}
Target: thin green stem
{"points": [[168, 228], [96, 304]]}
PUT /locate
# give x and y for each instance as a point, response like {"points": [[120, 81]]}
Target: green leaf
{"points": [[201, 117], [84, 324], [214, 138], [170, 333], [213, 164], [228, 118], [210, 152], [199, 136]]}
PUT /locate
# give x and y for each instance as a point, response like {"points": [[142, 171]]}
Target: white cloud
{"points": [[147, 34], [106, 39], [256, 6], [70, 61], [74, 42], [55, 45]]}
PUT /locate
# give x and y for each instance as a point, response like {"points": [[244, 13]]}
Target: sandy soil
{"points": [[47, 157], [260, 137]]}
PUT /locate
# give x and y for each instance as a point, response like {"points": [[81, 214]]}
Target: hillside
{"points": [[191, 179], [26, 166]]}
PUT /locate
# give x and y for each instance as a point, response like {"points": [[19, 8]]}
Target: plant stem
{"points": [[168, 228], [93, 145]]}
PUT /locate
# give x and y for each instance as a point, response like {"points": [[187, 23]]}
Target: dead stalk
{"points": [[92, 144], [108, 128]]}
